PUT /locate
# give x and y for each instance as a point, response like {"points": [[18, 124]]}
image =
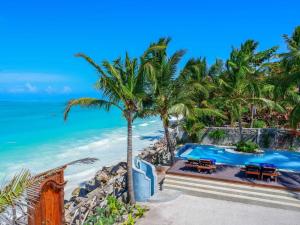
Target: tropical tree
{"points": [[290, 62], [176, 93], [197, 79], [240, 85], [291, 59], [284, 79], [166, 96], [122, 86]]}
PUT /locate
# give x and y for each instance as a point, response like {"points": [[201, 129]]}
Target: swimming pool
{"points": [[282, 159]]}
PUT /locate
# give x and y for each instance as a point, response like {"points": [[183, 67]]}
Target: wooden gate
{"points": [[48, 206]]}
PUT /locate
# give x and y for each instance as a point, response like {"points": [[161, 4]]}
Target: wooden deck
{"points": [[232, 174]]}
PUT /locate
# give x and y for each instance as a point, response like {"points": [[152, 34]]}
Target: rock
{"points": [[119, 169], [92, 185], [109, 189], [112, 181], [79, 192], [76, 192], [68, 205], [78, 200], [102, 177]]}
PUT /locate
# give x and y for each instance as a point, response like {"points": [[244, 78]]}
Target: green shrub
{"points": [[114, 212], [130, 220], [259, 124], [217, 135], [247, 146], [140, 211]]}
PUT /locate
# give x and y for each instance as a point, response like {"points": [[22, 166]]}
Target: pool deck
{"points": [[232, 174]]}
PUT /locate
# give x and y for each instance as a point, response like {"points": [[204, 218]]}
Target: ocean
{"points": [[33, 135]]}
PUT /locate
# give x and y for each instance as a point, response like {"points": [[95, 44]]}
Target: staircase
{"points": [[268, 197]]}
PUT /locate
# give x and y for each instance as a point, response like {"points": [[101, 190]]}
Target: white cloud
{"points": [[66, 90], [50, 90], [36, 83], [31, 88]]}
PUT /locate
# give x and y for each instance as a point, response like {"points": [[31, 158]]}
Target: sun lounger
{"points": [[192, 163], [269, 171], [261, 170], [252, 169], [207, 165]]}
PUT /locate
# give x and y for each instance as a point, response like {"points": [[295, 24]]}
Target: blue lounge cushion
{"points": [[269, 165]]}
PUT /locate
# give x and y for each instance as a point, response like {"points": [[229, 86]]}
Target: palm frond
{"points": [[92, 62], [11, 192], [201, 112], [88, 102]]}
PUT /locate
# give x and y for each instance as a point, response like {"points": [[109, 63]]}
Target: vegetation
{"points": [[122, 86], [13, 197], [193, 128], [259, 124], [217, 135], [251, 88], [166, 97], [116, 212], [248, 146]]}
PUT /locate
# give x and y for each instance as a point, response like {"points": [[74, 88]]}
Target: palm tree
{"points": [[290, 62], [166, 96], [284, 77], [173, 93], [291, 59], [240, 85], [197, 79], [122, 84]]}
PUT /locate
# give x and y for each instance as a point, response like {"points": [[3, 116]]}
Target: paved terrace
{"points": [[190, 210], [286, 180]]}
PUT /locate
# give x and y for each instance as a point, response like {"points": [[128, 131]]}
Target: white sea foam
{"points": [[109, 148], [144, 124]]}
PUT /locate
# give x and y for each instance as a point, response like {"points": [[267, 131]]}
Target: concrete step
{"points": [[234, 192]]}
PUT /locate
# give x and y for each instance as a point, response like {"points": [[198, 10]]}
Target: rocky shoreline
{"points": [[109, 181]]}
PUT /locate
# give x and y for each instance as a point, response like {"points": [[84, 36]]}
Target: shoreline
{"points": [[109, 155], [110, 180]]}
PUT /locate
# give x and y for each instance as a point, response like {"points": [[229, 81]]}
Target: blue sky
{"points": [[39, 38]]}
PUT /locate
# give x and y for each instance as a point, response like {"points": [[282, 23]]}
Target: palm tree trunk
{"points": [[129, 159], [168, 139], [241, 130], [252, 108]]}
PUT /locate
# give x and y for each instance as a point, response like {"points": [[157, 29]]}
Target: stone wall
{"points": [[265, 137], [108, 181]]}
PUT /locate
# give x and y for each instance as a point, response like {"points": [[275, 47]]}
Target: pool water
{"points": [[281, 159]]}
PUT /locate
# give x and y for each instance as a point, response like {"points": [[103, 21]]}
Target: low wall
{"points": [[264, 137]]}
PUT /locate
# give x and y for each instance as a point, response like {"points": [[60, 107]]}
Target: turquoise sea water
{"points": [[33, 135]]}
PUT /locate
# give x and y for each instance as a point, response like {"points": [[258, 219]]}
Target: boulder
{"points": [[79, 192], [119, 169], [92, 185], [102, 177]]}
